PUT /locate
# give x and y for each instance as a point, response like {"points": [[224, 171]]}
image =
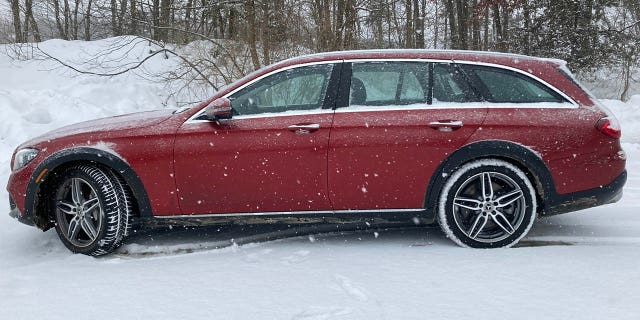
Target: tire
{"points": [[92, 209], [490, 217]]}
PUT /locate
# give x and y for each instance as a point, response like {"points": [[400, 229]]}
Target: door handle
{"points": [[304, 128], [446, 125]]}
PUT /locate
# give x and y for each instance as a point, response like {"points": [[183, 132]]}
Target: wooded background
{"points": [[588, 34]]}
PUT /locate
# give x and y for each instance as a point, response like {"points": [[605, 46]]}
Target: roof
{"points": [[508, 59]]}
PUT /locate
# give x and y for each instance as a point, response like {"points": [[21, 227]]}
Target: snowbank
{"points": [[39, 95]]}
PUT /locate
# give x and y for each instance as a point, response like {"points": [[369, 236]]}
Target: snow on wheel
{"points": [[487, 203], [92, 209]]}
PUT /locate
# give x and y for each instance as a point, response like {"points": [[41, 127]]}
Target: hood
{"points": [[106, 125]]}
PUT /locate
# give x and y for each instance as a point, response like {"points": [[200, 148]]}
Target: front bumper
{"points": [[563, 203], [16, 214]]}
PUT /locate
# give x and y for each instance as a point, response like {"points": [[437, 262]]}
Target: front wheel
{"points": [[91, 209], [487, 203]]}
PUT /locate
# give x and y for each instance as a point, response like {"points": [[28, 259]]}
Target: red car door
{"points": [[390, 136], [271, 156]]}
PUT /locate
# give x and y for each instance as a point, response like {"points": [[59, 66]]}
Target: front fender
{"points": [[75, 155]]}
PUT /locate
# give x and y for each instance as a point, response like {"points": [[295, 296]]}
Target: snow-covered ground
{"points": [[582, 265]]}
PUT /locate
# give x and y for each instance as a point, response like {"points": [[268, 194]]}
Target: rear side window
{"points": [[388, 83], [450, 85], [505, 86]]}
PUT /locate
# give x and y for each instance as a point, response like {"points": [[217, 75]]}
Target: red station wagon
{"points": [[481, 143]]}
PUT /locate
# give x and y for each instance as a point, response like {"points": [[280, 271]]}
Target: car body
{"points": [[356, 134]]}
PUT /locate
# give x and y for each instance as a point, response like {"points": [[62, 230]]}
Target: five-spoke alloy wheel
{"points": [[79, 212], [91, 208], [487, 203]]}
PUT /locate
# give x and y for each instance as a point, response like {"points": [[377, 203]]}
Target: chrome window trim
{"points": [[193, 118], [352, 109], [282, 213], [448, 106], [271, 115]]}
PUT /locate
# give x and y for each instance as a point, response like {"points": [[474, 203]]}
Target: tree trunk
{"points": [[265, 31], [114, 18], [378, 34], [323, 22], [133, 12], [187, 23], [526, 13], [627, 78], [67, 19], [231, 30], [74, 22], [585, 26], [17, 28], [408, 27], [350, 21], [418, 17], [497, 28], [463, 28], [485, 39], [338, 43], [155, 19], [506, 14], [59, 24], [453, 31], [251, 33], [165, 13], [435, 24], [29, 19], [475, 26], [122, 16]]}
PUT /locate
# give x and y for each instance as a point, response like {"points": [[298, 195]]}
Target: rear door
{"points": [[398, 122]]}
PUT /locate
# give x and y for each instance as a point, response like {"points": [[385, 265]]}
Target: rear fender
{"points": [[521, 156]]}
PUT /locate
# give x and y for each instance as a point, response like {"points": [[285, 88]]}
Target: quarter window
{"points": [[505, 86], [388, 83], [302, 88]]}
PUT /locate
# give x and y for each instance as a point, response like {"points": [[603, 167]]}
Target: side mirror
{"points": [[219, 109]]}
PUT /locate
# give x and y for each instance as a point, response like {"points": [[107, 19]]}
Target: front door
{"points": [[270, 157]]}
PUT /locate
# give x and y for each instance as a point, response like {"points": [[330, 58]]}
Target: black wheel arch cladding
{"points": [[519, 155], [78, 155]]}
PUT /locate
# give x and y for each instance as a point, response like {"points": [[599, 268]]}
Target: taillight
{"points": [[609, 126]]}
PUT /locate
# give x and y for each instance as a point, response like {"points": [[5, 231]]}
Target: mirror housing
{"points": [[219, 109]]}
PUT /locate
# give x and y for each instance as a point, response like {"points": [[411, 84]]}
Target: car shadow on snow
{"points": [[178, 239], [182, 240]]}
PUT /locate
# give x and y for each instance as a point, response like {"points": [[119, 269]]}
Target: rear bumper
{"points": [[563, 203]]}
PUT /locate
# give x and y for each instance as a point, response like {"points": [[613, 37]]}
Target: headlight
{"points": [[23, 156]]}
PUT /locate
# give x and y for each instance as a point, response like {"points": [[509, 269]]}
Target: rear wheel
{"points": [[92, 209], [487, 203]]}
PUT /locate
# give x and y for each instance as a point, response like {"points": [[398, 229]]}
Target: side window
{"points": [[450, 85], [388, 83], [505, 86], [302, 88]]}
